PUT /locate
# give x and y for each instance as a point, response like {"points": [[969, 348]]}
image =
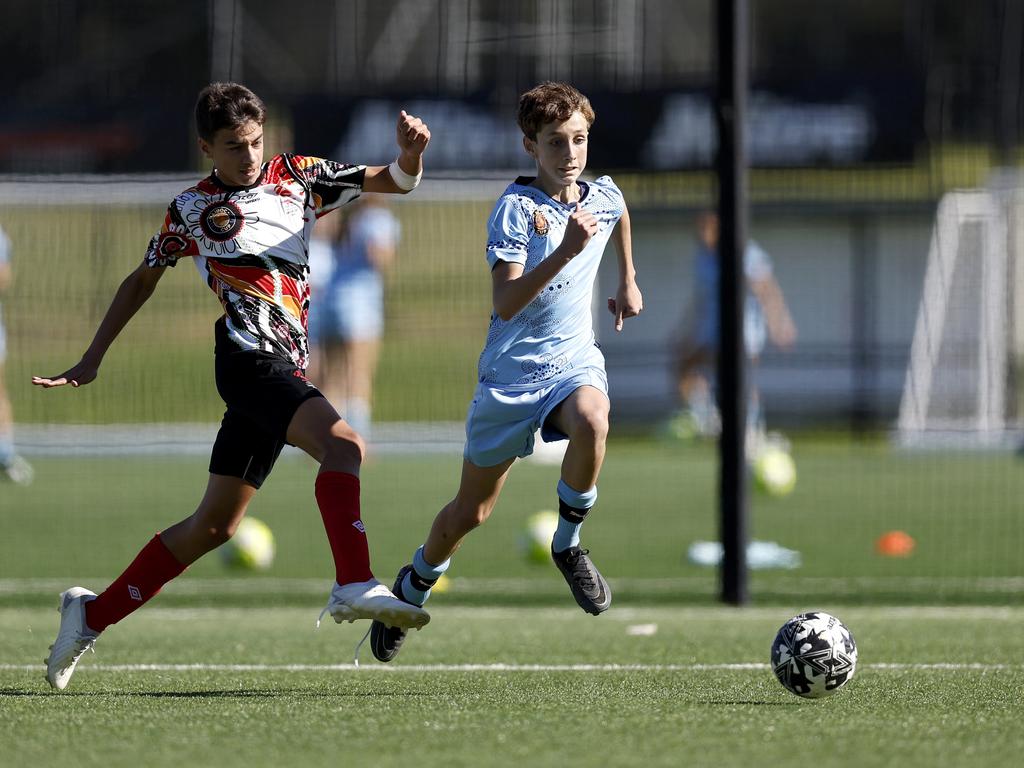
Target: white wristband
{"points": [[402, 179]]}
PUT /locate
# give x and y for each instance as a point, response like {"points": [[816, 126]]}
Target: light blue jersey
{"points": [[554, 333], [5, 258], [350, 302], [538, 358], [757, 266]]}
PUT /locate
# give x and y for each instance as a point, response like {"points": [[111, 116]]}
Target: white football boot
{"points": [[372, 600], [19, 471], [73, 638]]}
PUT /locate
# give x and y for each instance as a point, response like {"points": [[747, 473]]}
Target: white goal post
{"points": [[961, 384]]}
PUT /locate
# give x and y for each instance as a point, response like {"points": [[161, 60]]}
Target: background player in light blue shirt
{"points": [[12, 466], [346, 321], [541, 367], [765, 317]]}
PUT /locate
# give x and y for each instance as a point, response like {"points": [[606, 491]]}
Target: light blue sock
{"points": [[6, 450], [572, 509], [420, 580]]}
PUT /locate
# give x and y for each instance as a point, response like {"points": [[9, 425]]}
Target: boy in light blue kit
{"points": [[541, 367]]}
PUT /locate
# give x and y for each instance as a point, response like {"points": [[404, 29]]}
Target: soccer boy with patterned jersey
{"points": [[541, 367], [246, 227]]}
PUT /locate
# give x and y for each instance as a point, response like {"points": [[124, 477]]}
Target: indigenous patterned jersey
{"points": [[554, 333], [251, 245]]}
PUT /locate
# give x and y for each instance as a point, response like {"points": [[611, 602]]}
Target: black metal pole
{"points": [[1009, 20], [730, 115]]}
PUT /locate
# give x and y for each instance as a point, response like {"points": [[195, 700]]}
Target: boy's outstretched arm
{"points": [[403, 175], [133, 293], [628, 301]]}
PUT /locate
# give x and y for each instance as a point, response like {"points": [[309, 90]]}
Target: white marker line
{"points": [[940, 666]]}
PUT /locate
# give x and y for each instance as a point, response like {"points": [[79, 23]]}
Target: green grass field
{"points": [[513, 686], [226, 669], [85, 518]]}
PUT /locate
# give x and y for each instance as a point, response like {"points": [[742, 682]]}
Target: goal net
{"points": [[961, 381], [74, 238]]}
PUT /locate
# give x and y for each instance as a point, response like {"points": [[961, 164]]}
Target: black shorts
{"points": [[262, 392]]}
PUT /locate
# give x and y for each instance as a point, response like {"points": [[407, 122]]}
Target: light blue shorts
{"points": [[352, 310], [503, 420]]}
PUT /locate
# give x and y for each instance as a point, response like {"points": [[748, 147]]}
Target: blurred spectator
{"points": [[14, 467], [348, 256], [765, 317]]}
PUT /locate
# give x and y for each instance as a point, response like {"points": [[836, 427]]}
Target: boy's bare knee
{"points": [[213, 525], [592, 426], [215, 536], [345, 447]]}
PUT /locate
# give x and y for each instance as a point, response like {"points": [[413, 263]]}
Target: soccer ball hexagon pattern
{"points": [[814, 655]]}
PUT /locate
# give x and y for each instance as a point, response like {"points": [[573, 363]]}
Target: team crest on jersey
{"points": [[540, 224], [221, 220]]}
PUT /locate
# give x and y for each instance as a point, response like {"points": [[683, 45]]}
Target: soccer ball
{"points": [[774, 471], [251, 548], [814, 655], [535, 540]]}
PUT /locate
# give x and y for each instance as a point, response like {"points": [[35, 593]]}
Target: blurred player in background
{"points": [[246, 227], [347, 319], [541, 367], [14, 467], [765, 316]]}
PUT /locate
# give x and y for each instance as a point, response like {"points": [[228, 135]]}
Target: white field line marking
{"points": [[623, 614], [941, 666], [547, 586]]}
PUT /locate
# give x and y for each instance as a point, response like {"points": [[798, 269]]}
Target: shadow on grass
{"points": [[269, 693], [749, 702], [242, 694]]}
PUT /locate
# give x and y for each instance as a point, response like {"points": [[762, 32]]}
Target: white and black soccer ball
{"points": [[814, 655]]}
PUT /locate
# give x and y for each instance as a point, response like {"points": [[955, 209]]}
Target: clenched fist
{"points": [[413, 134]]}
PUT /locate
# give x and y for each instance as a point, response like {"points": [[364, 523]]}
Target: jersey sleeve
{"points": [[507, 233], [171, 243], [756, 263], [609, 201], [330, 183]]}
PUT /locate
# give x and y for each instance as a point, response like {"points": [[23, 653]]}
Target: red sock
{"points": [[153, 567], [337, 494]]}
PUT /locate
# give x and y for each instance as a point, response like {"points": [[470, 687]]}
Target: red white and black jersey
{"points": [[251, 245]]}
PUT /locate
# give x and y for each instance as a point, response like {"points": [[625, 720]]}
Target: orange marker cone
{"points": [[895, 544]]}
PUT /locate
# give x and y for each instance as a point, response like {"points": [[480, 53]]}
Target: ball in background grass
{"points": [[895, 544], [814, 655], [251, 548], [535, 540], [774, 471]]}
